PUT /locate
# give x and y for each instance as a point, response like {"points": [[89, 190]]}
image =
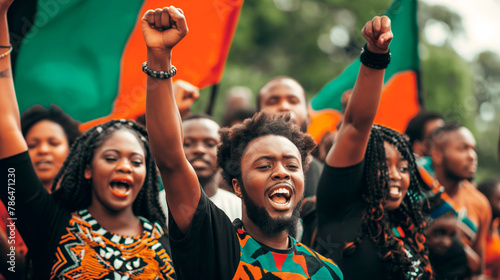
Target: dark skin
{"points": [[12, 140], [454, 161], [285, 95], [421, 148], [121, 156], [48, 147], [352, 138], [181, 183], [185, 95], [269, 163], [441, 232], [201, 137]]}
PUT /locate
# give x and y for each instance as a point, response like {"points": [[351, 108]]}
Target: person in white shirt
{"points": [[201, 137]]}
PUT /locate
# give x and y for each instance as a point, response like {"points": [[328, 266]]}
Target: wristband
{"points": [[374, 60], [158, 74]]}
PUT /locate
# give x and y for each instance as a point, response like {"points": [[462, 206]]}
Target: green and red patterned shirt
{"points": [[215, 248]]}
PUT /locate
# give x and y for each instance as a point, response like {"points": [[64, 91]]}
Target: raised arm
{"points": [[353, 135], [11, 138], [162, 30]]}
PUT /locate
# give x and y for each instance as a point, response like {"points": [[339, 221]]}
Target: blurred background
{"points": [[313, 41]]}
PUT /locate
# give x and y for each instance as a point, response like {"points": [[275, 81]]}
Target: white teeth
{"points": [[280, 191], [394, 190]]}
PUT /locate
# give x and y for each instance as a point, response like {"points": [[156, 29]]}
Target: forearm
{"points": [[352, 138], [164, 123], [365, 99], [165, 133], [11, 138]]}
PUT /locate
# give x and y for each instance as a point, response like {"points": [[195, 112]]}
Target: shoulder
{"points": [[475, 195], [311, 256]]}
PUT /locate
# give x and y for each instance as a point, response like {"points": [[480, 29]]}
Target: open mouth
{"points": [[280, 197], [121, 187], [395, 192], [44, 164]]}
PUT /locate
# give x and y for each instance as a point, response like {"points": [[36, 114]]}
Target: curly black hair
{"points": [[487, 187], [415, 128], [234, 141], [37, 113], [378, 223], [74, 192]]}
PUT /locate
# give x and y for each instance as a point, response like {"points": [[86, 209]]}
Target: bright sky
{"points": [[481, 21]]}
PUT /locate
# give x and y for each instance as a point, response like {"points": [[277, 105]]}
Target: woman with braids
{"points": [[368, 200], [104, 221]]}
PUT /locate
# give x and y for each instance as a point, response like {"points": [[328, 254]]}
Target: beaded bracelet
{"points": [[374, 60], [6, 53], [158, 74]]}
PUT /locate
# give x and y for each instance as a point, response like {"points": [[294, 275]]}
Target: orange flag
{"points": [[200, 57]]}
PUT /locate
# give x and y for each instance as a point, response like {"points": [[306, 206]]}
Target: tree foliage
{"points": [[293, 38]]}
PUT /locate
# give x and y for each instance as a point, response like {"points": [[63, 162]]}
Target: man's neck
{"points": [[279, 241], [209, 185], [451, 185]]}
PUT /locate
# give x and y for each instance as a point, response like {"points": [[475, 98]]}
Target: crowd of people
{"points": [[175, 195]]}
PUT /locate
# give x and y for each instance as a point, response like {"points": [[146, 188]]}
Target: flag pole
{"points": [[213, 95]]}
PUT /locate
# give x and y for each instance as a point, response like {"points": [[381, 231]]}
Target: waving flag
{"points": [[400, 96], [86, 55]]}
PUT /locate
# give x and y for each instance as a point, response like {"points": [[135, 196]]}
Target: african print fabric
{"points": [[258, 261], [88, 251]]}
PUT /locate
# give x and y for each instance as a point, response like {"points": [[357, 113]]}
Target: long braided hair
{"points": [[74, 192], [378, 223]]}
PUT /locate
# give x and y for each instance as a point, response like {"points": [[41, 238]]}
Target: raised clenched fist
{"points": [[163, 28], [378, 34]]}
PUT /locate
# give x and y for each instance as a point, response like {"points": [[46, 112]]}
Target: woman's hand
{"points": [[378, 34]]}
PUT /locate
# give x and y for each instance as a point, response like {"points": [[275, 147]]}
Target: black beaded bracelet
{"points": [[374, 60], [159, 74]]}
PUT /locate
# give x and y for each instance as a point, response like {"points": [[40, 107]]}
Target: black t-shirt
{"points": [[214, 248], [312, 177], [340, 211], [72, 244]]}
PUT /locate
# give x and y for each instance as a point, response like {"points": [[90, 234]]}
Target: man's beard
{"points": [[268, 225], [303, 127]]}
